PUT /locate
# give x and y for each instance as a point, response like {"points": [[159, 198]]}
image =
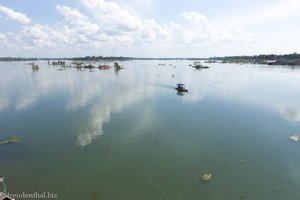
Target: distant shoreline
{"points": [[270, 59]]}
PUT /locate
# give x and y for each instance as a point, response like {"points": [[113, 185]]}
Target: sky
{"points": [[148, 28]]}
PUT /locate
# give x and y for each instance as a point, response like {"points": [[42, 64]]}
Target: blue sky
{"points": [[148, 28]]}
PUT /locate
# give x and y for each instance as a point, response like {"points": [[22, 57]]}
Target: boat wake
{"points": [[163, 85]]}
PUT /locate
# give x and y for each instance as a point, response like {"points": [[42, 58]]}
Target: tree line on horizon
{"points": [[271, 59]]}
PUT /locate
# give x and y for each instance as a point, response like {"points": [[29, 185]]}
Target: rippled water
{"points": [[127, 135]]}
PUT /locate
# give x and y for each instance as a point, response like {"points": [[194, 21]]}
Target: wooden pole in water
{"points": [[4, 187]]}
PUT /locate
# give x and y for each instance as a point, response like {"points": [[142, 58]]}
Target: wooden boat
{"points": [[181, 88], [201, 67], [198, 65]]}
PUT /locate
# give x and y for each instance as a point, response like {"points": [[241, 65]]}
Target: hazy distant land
{"points": [[270, 59]]}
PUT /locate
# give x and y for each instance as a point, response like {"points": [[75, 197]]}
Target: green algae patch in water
{"points": [[295, 138], [12, 139]]}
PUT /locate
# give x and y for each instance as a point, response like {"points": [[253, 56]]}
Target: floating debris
{"points": [[12, 139], [117, 66], [295, 138], [104, 67], [206, 177], [35, 67]]}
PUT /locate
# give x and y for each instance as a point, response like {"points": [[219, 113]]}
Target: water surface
{"points": [[106, 134]]}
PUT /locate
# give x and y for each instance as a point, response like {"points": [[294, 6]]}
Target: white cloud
{"points": [[233, 33], [200, 32], [3, 37], [75, 33], [151, 31], [15, 16], [112, 17], [196, 19], [108, 27], [39, 31], [44, 36], [180, 34], [134, 6], [71, 14], [77, 20]]}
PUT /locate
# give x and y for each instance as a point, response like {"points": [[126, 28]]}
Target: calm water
{"points": [[127, 135]]}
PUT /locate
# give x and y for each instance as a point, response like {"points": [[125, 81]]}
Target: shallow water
{"points": [[127, 135]]}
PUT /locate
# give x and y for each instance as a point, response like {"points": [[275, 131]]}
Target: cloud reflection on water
{"points": [[291, 113], [113, 97], [105, 92]]}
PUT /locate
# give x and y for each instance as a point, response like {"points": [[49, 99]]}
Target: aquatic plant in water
{"points": [[206, 177], [12, 139], [295, 138]]}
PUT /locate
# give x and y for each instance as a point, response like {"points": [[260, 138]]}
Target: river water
{"points": [[109, 135]]}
